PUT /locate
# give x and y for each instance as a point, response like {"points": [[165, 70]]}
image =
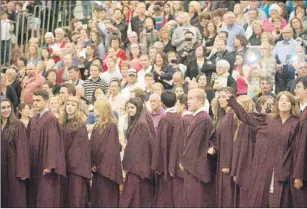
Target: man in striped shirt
{"points": [[94, 82]]}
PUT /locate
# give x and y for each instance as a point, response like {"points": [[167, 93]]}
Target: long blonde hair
{"points": [[77, 121], [294, 111], [105, 113]]}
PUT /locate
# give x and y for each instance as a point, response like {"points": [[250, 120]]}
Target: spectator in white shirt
{"points": [[146, 68], [131, 83], [116, 100], [7, 29], [112, 71]]}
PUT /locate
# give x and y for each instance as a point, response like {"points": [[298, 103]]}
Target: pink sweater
{"points": [[268, 25]]}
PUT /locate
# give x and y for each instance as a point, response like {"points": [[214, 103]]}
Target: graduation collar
{"points": [[199, 110], [187, 113], [172, 110], [303, 107], [41, 113]]}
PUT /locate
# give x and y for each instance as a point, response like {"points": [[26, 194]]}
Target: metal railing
{"points": [[27, 25]]}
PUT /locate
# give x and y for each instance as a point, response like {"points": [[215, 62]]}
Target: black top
{"points": [[169, 47], [11, 95], [16, 85], [192, 68]]}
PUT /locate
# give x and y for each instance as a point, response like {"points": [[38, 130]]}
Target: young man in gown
{"points": [[47, 156], [199, 181], [161, 151]]}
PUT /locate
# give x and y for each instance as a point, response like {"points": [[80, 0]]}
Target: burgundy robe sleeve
{"points": [[254, 119], [160, 155], [194, 158], [105, 151], [138, 152], [22, 149], [300, 165], [226, 140], [174, 149], [54, 157], [79, 159], [283, 174]]}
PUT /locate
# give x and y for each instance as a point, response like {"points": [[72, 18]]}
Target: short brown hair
{"points": [[70, 88], [140, 93], [43, 93]]}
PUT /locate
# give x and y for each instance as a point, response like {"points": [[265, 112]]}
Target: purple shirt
{"points": [[156, 117]]}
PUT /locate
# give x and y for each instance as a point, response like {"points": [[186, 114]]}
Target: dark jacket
{"points": [[11, 95], [137, 25], [16, 85], [195, 20], [169, 47], [192, 69], [255, 98], [123, 28], [229, 56], [167, 74]]}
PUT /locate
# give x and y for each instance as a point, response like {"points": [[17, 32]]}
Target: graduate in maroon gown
{"points": [[162, 146], [275, 138], [140, 93], [225, 127], [15, 159], [77, 155], [177, 148], [243, 150], [138, 187], [199, 181], [47, 155], [300, 157], [105, 156]]}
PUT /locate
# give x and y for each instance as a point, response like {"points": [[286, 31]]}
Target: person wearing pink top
{"points": [[275, 11]]}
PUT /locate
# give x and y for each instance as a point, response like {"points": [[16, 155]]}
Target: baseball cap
{"points": [[131, 71]]}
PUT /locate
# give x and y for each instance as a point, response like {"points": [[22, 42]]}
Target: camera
{"points": [[175, 61], [268, 108]]}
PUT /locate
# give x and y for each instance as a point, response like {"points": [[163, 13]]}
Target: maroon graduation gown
{"points": [[15, 162], [78, 166], [46, 151], [160, 159], [243, 150], [147, 117], [138, 187], [300, 164], [177, 148], [225, 183], [274, 142], [199, 186], [105, 155]]}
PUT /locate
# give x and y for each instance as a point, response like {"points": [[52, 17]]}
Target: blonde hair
{"points": [[246, 102], [78, 118], [294, 105], [158, 85], [105, 113], [269, 36], [196, 5], [199, 94], [258, 22], [12, 72]]}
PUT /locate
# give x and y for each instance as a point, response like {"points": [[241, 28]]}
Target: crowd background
{"points": [[116, 50]]}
